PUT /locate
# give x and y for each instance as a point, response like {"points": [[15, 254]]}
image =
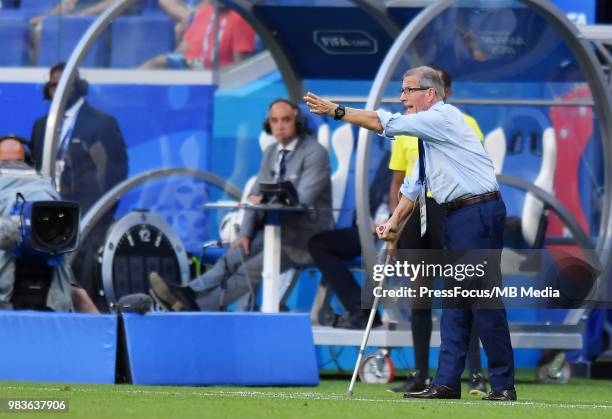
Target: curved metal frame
{"points": [[585, 57], [588, 63], [132, 219], [114, 195], [551, 202], [292, 81]]}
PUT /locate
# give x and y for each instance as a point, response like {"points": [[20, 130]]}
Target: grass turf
{"points": [[580, 398]]}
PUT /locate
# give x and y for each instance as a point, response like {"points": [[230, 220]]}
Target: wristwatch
{"points": [[339, 113]]}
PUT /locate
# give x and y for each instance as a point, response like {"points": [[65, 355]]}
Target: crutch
{"points": [[390, 248]]}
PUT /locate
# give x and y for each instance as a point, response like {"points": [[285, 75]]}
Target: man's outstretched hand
{"points": [[319, 106]]}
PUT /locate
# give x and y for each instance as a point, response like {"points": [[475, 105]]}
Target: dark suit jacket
{"points": [[308, 169], [96, 159]]}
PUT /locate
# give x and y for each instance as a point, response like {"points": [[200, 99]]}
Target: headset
{"points": [[301, 123], [26, 146], [81, 86]]}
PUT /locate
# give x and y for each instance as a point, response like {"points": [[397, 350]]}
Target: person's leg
{"points": [[473, 358], [330, 250], [226, 266], [421, 337], [481, 227], [158, 62], [421, 315], [35, 33], [85, 264], [232, 286], [81, 301], [244, 280], [464, 229], [455, 330], [495, 337], [207, 292], [176, 9], [477, 385]]}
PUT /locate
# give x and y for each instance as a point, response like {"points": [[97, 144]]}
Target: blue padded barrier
{"points": [[135, 39], [221, 349], [14, 39], [60, 35], [58, 347]]}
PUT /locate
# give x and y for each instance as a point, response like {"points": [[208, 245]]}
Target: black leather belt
{"points": [[473, 200]]}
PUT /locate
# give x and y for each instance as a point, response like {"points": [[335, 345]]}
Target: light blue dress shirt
{"points": [[456, 165]]}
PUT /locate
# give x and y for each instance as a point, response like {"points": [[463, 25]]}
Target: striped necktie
{"points": [[282, 167]]}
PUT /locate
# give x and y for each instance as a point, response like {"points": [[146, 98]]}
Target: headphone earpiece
{"points": [[82, 87], [266, 127], [47, 91], [301, 123]]}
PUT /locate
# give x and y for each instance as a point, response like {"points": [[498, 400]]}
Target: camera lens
{"points": [[54, 226]]}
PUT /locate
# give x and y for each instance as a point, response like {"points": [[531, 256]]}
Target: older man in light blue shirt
{"points": [[460, 176], [456, 166]]}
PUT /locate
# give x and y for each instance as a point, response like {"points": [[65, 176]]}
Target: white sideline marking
{"points": [[309, 396]]}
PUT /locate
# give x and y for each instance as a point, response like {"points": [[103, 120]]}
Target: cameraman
{"points": [[18, 176]]}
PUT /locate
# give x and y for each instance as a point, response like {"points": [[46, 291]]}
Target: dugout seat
{"points": [[135, 39], [528, 230], [61, 34], [14, 39]]}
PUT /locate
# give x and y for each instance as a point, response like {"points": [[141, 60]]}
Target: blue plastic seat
{"points": [[135, 39], [150, 5], [14, 40], [61, 34], [37, 5]]}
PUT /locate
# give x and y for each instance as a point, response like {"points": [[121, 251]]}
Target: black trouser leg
{"points": [[473, 357], [421, 336], [421, 316], [330, 250]]}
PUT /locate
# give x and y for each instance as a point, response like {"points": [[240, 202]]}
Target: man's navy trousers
{"points": [[478, 226]]}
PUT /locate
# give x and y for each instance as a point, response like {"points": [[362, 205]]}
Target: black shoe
{"points": [[356, 319], [434, 391], [501, 396], [414, 383], [477, 386], [176, 297]]}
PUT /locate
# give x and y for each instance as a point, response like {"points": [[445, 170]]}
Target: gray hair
{"points": [[428, 77]]}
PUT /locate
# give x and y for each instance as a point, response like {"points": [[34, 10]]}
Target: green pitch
{"points": [[580, 398]]}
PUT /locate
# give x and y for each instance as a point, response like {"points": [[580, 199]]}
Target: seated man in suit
{"points": [[297, 157]]}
